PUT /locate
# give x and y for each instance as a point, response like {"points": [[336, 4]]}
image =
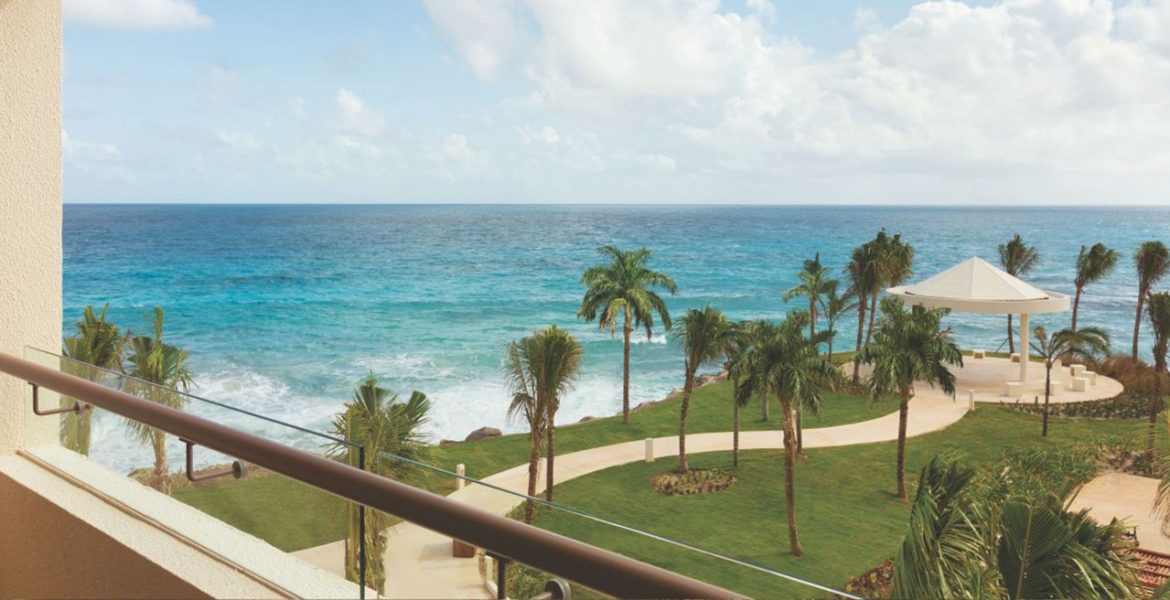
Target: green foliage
{"points": [[1016, 540], [389, 430], [910, 346], [95, 348], [1126, 406], [1018, 258], [706, 337], [1094, 264]]}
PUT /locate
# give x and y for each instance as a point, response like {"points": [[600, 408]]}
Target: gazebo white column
{"points": [[1024, 347]]}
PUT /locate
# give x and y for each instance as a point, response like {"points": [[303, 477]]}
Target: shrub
{"points": [[695, 481], [1134, 374], [1125, 406], [877, 582]]}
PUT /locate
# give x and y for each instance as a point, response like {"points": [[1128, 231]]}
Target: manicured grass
{"points": [[293, 516], [847, 513]]}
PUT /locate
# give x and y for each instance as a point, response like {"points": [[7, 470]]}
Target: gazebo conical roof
{"points": [[977, 286]]}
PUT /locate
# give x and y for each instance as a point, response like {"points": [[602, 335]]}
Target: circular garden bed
{"points": [[694, 481]]}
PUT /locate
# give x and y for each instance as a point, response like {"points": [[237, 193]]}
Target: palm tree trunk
{"points": [[872, 314], [682, 422], [1076, 307], [161, 474], [551, 451], [764, 407], [789, 476], [1011, 337], [1154, 402], [533, 461], [1137, 322], [1047, 389], [860, 327], [832, 334], [903, 413], [812, 317], [735, 433], [626, 371]]}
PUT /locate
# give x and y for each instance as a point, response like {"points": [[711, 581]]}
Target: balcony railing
{"points": [[592, 567]]}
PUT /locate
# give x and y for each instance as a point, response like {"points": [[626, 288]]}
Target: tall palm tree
{"points": [[966, 543], [895, 265], [1088, 342], [1158, 310], [836, 305], [814, 281], [909, 346], [1017, 259], [784, 364], [624, 287], [158, 373], [738, 342], [389, 431], [1093, 265], [540, 368], [865, 281], [1152, 260], [705, 337], [528, 404], [96, 347]]}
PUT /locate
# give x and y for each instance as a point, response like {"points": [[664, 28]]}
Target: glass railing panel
{"points": [[503, 494], [314, 525]]}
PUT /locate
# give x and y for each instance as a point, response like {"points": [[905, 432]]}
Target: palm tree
{"points": [[1017, 259], [390, 432], [1152, 260], [527, 404], [705, 337], [895, 260], [158, 373], [965, 543], [813, 283], [909, 346], [542, 367], [784, 364], [865, 280], [1093, 265], [1158, 310], [624, 288], [835, 306], [96, 347], [1088, 342]]}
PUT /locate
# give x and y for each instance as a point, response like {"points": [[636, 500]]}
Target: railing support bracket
{"points": [[76, 408], [236, 470]]}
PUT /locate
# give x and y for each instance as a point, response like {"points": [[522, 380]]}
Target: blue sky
{"points": [[745, 101]]}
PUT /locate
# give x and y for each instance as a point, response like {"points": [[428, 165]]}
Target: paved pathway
{"points": [[1126, 497], [419, 562]]}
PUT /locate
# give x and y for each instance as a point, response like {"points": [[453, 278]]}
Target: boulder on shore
{"points": [[483, 433]]}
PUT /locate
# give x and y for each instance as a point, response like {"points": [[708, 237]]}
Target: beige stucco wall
{"points": [[30, 202]]}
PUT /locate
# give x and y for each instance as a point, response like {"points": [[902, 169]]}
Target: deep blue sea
{"points": [[285, 308]]}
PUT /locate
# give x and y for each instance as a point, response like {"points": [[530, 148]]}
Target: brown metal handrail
{"points": [[593, 567]]}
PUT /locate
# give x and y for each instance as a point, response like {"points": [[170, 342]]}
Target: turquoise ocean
{"points": [[284, 309]]}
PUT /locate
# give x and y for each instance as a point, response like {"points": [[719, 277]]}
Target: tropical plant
{"points": [[895, 265], [1158, 309], [1093, 265], [389, 433], [814, 282], [909, 346], [865, 282], [540, 368], [964, 542], [738, 343], [705, 337], [94, 349], [158, 372], [784, 364], [1152, 260], [1017, 259], [836, 305], [1089, 342], [624, 287]]}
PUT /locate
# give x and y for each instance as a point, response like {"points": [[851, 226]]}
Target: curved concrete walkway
{"points": [[419, 562]]}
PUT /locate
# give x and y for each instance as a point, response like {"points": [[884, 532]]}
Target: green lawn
{"points": [[848, 515], [293, 516]]}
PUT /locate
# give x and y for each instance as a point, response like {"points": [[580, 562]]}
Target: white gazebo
{"points": [[977, 286]]}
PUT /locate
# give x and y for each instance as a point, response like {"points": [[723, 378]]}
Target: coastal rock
{"points": [[645, 405], [586, 419], [483, 433], [448, 442]]}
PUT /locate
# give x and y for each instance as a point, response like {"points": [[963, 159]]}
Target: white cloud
{"points": [[240, 140], [136, 14], [355, 117], [485, 32], [454, 156], [99, 159]]}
